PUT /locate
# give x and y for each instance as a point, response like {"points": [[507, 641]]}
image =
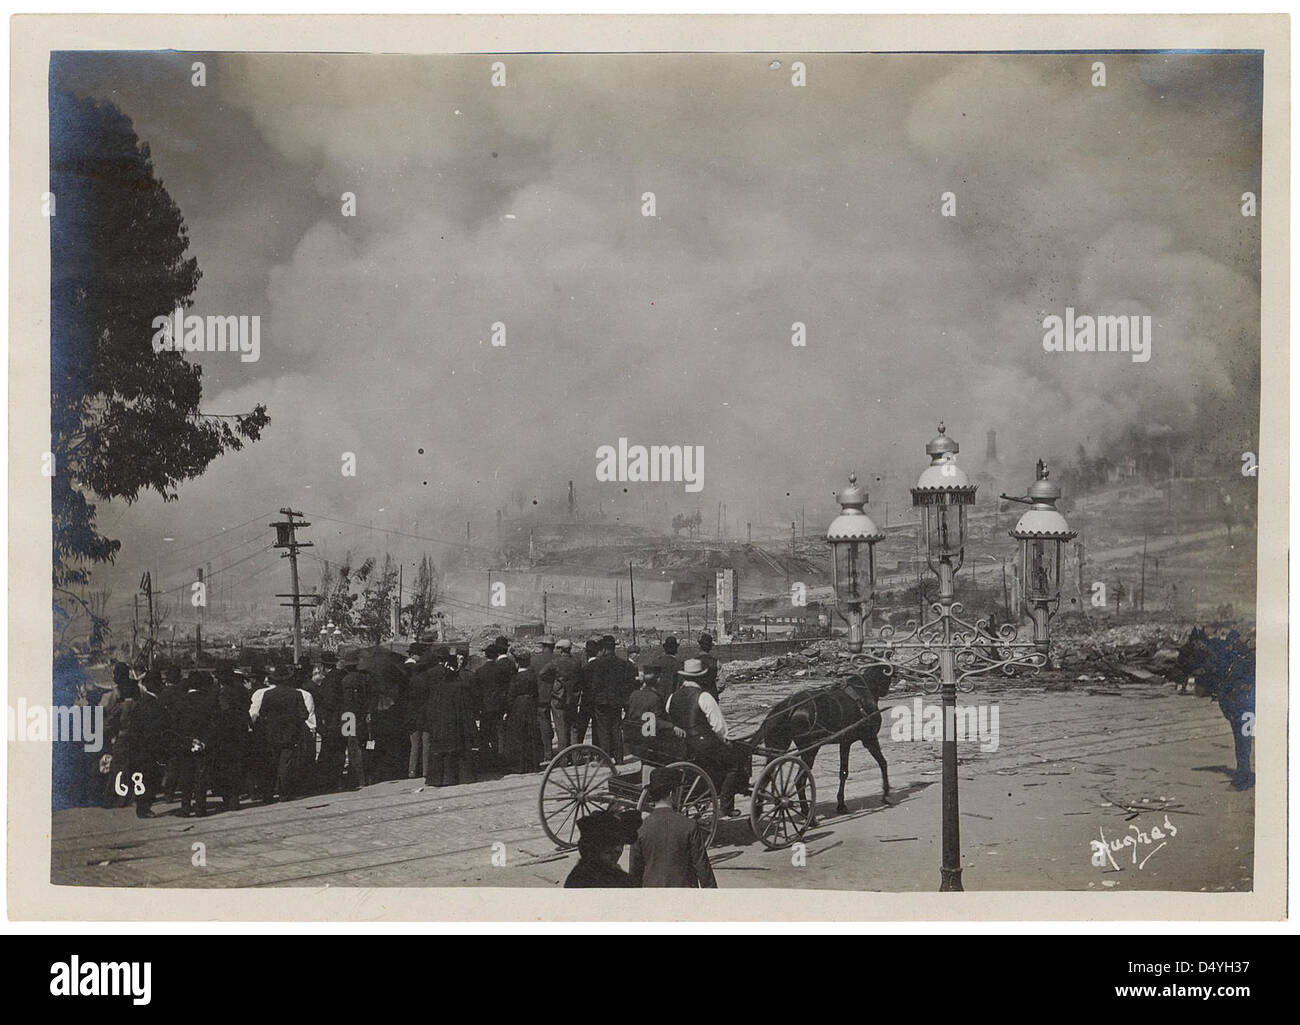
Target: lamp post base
{"points": [[951, 880]]}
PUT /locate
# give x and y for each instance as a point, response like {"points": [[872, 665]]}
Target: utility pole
{"points": [[198, 620], [544, 630], [286, 537], [631, 587], [135, 622], [749, 533], [1142, 588], [146, 585]]}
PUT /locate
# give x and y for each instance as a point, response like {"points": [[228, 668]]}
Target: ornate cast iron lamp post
{"points": [[948, 652]]}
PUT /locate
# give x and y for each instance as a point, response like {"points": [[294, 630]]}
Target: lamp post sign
{"points": [[948, 652]]}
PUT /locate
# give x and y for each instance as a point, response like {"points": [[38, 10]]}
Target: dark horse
{"points": [[810, 718], [1225, 669]]}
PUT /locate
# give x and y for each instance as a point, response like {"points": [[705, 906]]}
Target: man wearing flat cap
{"points": [[670, 849], [562, 678], [602, 835]]}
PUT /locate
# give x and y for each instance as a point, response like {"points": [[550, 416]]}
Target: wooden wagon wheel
{"points": [[695, 797], [573, 785], [784, 804]]}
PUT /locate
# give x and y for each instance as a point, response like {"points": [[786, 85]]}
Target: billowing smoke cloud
{"points": [[820, 205]]}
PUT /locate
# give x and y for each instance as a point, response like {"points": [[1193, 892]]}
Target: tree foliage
{"points": [[124, 419]]}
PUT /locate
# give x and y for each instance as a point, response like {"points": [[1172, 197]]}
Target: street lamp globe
{"points": [[942, 492], [1041, 531], [852, 536]]}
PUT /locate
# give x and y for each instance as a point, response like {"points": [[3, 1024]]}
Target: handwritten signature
{"points": [[1103, 850]]}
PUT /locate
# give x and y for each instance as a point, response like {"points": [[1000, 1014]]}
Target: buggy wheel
{"points": [[574, 784], [695, 797], [784, 802]]}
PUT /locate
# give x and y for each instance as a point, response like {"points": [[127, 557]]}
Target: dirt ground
{"points": [[1070, 768]]}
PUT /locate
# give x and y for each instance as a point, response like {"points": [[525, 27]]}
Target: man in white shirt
{"points": [[696, 711]]}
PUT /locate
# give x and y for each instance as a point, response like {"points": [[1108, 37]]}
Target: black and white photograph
{"points": [[831, 471]]}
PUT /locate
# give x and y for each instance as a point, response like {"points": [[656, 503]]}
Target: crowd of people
{"points": [[290, 730]]}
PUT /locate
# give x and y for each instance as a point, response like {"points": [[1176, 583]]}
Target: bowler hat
{"points": [[329, 658], [670, 644], [280, 673], [593, 646], [706, 641], [662, 781]]}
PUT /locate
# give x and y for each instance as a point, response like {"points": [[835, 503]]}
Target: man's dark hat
{"points": [[280, 673], [593, 646], [662, 781], [670, 644], [631, 820], [706, 641], [607, 641], [523, 656], [502, 642], [121, 673], [604, 829], [329, 658], [416, 648], [490, 649]]}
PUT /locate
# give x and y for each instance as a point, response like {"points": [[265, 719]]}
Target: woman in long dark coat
{"points": [[523, 736], [449, 724]]}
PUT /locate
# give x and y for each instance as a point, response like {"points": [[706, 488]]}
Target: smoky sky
{"points": [[774, 204]]}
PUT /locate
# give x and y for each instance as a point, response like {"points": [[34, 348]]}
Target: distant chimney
{"points": [[991, 455]]}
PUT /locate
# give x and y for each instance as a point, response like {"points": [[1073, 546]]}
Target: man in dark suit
{"points": [[668, 664], [709, 681], [491, 685], [607, 693], [329, 724], [670, 849], [193, 737]]}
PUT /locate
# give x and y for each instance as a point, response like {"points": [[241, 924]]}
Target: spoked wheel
{"points": [[784, 802], [695, 797], [574, 785]]}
